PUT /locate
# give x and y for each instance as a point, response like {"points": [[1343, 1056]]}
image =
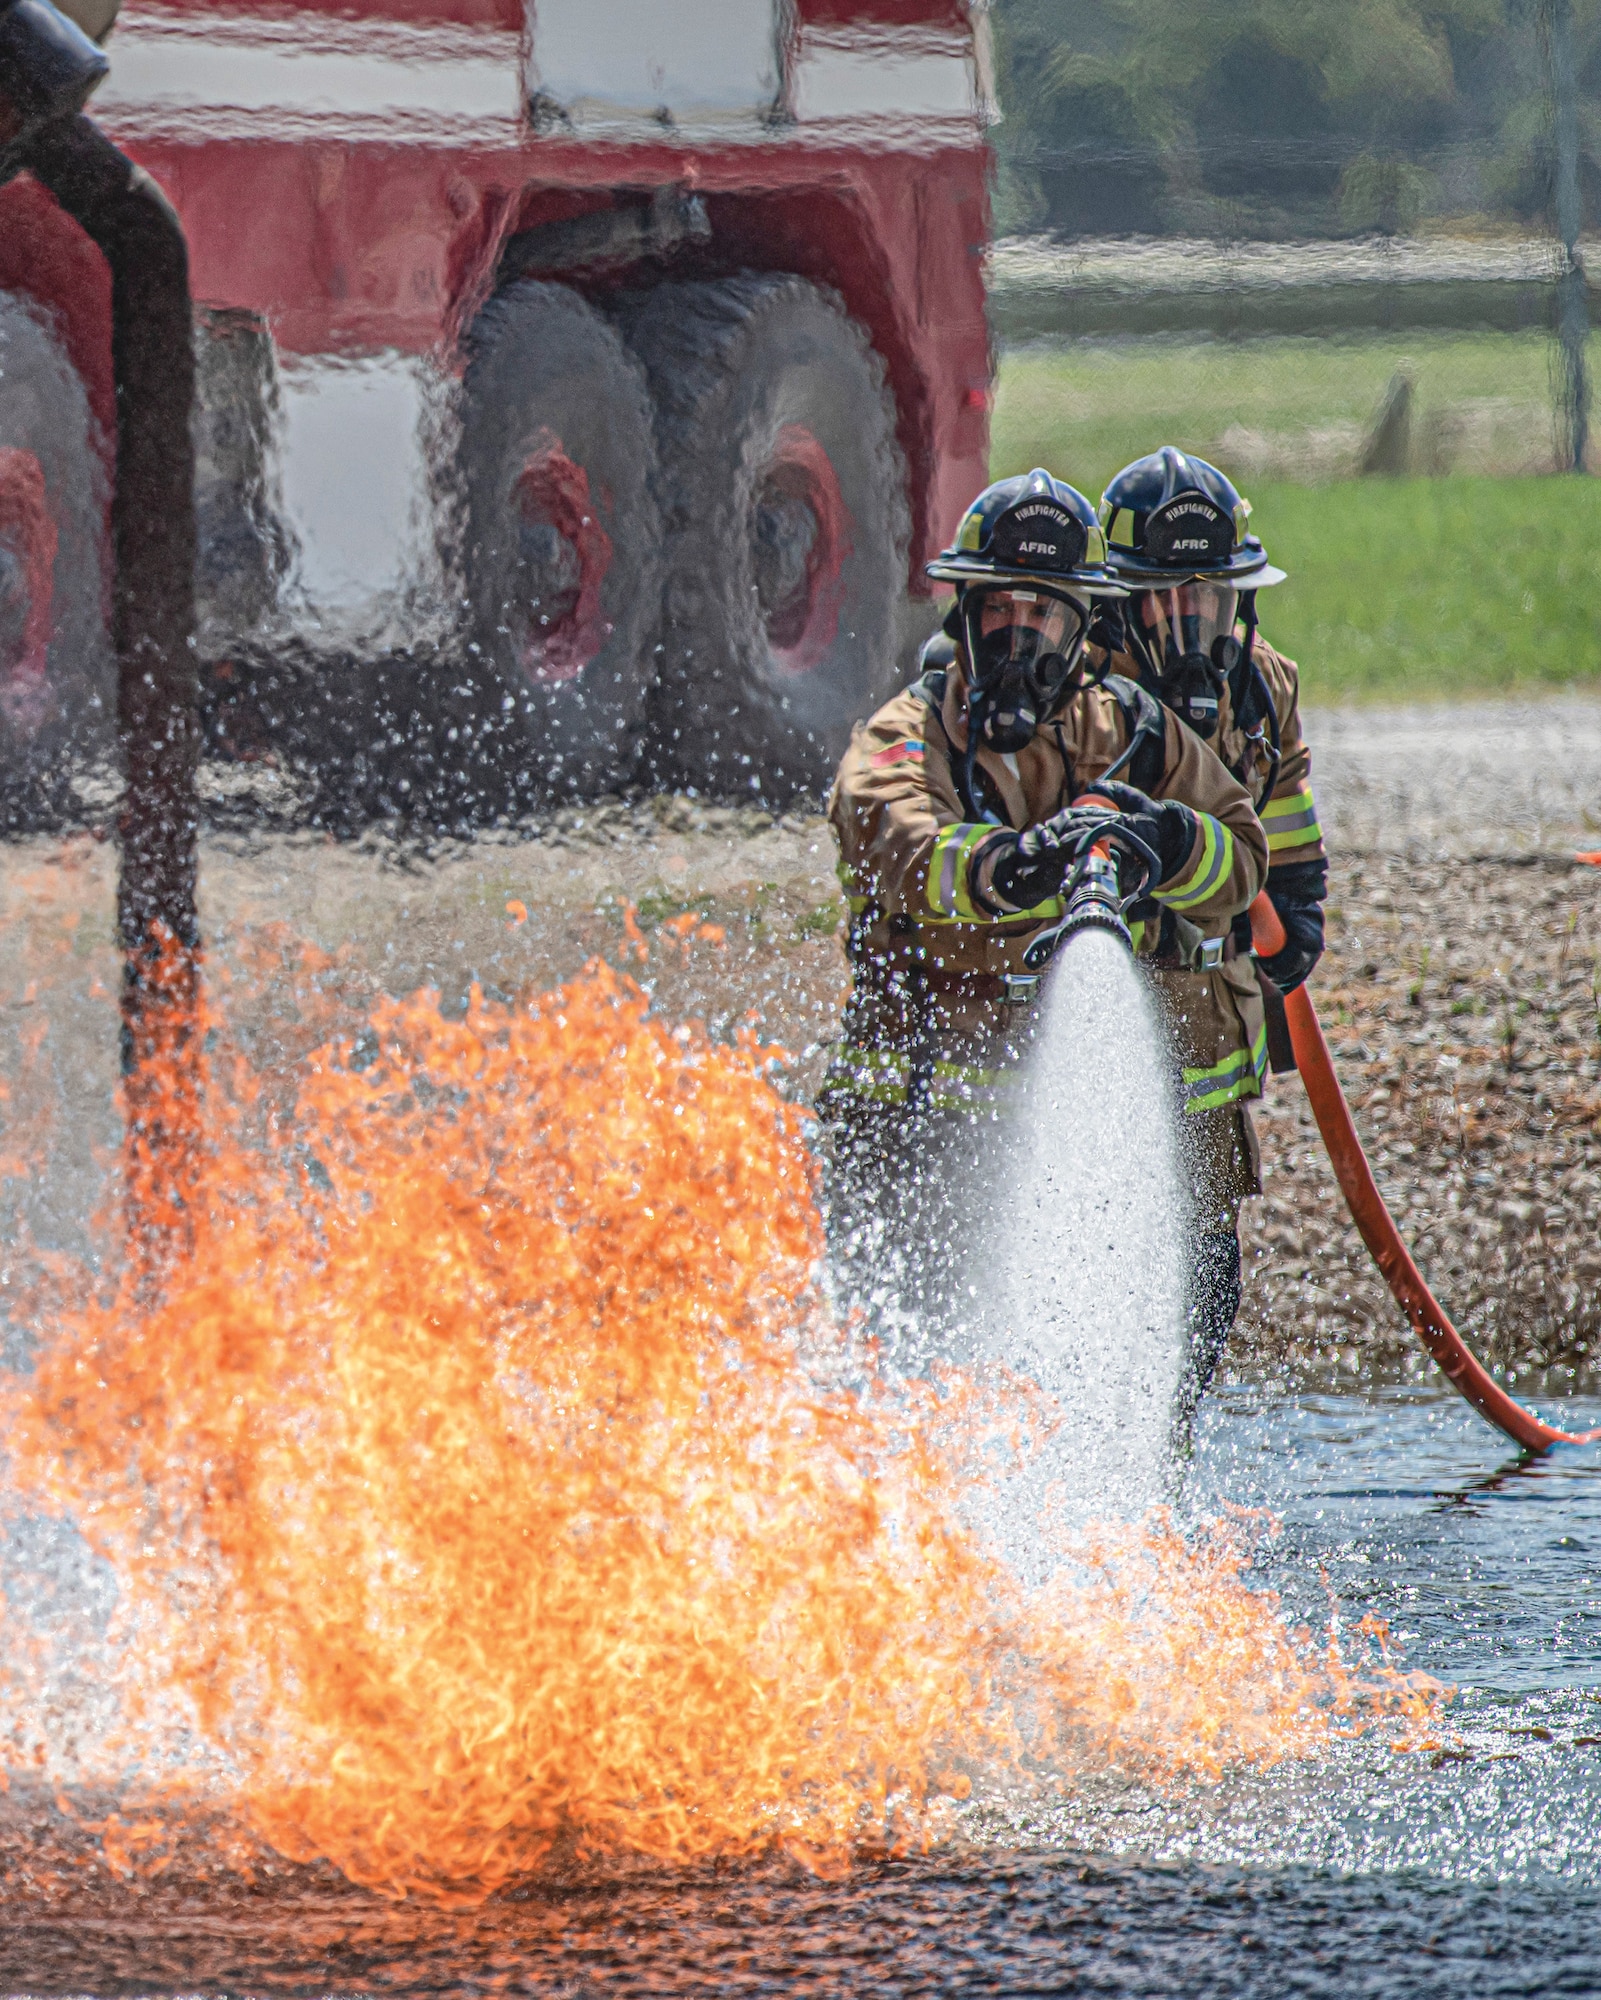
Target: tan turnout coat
{"points": [[940, 988], [1289, 813]]}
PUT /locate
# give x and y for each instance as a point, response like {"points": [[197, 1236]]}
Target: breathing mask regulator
{"points": [[1184, 640], [1028, 562], [1023, 649]]}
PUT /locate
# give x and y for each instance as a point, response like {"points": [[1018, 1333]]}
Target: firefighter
{"points": [[955, 811], [1178, 540]]}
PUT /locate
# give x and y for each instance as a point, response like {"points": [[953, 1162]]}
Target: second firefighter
{"points": [[957, 811]]}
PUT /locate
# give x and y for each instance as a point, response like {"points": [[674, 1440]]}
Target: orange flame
{"points": [[489, 1484]]}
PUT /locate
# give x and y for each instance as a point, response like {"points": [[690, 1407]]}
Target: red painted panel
{"points": [[351, 247], [46, 257]]}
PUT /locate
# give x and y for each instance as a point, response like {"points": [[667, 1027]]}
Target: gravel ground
{"points": [[1461, 992], [1462, 996], [1463, 1003]]}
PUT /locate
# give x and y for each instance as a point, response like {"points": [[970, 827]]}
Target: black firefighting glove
{"points": [[1297, 891], [1028, 867], [1167, 827]]}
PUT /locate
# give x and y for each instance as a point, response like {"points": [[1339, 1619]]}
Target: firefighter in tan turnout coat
{"points": [[1187, 633], [1189, 636], [955, 810]]}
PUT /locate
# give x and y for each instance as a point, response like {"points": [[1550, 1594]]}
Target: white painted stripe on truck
{"points": [[691, 71], [223, 75], [894, 87], [650, 60], [860, 75]]}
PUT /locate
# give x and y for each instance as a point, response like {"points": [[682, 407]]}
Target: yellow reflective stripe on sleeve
{"points": [[1290, 821], [947, 873], [963, 1086], [880, 1075], [1240, 1074], [1210, 872]]}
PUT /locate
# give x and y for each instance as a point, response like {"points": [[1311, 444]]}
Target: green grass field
{"points": [[1415, 587], [1429, 587], [1277, 408]]}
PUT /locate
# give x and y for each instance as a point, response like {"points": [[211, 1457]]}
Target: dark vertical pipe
{"points": [[1556, 33], [153, 536]]}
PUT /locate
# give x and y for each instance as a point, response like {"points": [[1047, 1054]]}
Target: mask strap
{"points": [[1108, 628], [1253, 689], [967, 769], [1139, 644], [1243, 681]]}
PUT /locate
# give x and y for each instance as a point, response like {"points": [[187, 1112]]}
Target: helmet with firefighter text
{"points": [[1029, 529], [1169, 518], [1028, 559]]}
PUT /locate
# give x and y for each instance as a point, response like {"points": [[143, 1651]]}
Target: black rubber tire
{"points": [[45, 417], [547, 373], [736, 368]]}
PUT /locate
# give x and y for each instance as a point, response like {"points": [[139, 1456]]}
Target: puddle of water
{"points": [[1487, 1566]]}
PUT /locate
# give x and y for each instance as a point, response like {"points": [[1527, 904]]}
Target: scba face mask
{"points": [[1186, 635], [1022, 648]]}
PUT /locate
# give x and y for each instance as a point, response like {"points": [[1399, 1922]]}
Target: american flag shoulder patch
{"points": [[909, 752]]}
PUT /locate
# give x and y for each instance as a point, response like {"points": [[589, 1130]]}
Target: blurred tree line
{"points": [[1282, 118]]}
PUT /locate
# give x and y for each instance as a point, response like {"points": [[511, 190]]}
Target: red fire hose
{"points": [[1376, 1224]]}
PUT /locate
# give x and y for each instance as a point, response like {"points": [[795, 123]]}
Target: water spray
{"points": [[1377, 1226]]}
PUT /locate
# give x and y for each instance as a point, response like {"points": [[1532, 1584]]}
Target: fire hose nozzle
{"points": [[1093, 905], [1094, 899]]}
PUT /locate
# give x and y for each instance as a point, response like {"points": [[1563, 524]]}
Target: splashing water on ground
{"points": [[487, 1487]]}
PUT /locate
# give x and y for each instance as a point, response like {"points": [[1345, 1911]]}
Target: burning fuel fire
{"points": [[487, 1486]]}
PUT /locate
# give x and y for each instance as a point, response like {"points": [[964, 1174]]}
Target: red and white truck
{"points": [[626, 356]]}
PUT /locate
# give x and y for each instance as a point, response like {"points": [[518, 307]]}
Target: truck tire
{"points": [[564, 544], [785, 504], [56, 681]]}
